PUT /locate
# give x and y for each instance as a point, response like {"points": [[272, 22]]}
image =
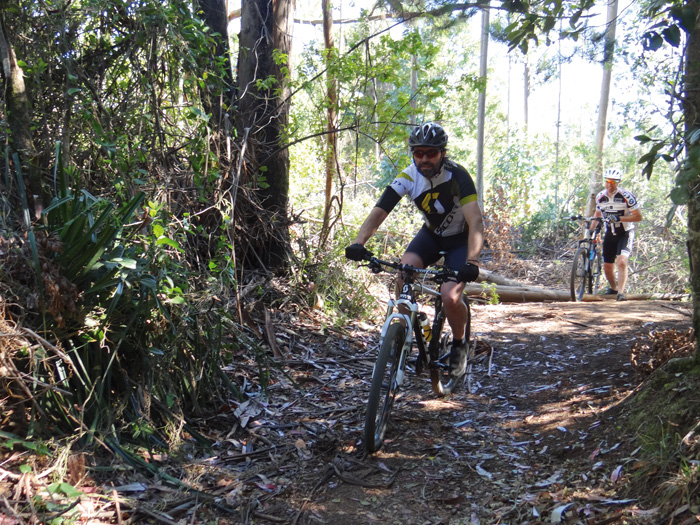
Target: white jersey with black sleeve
{"points": [[622, 202], [440, 198]]}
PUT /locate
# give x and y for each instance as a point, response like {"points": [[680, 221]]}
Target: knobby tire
{"points": [[580, 277], [384, 387]]}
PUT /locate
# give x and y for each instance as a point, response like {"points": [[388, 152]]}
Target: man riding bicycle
{"points": [[446, 195]]}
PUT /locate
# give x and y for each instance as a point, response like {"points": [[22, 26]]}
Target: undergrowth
{"points": [[664, 418]]}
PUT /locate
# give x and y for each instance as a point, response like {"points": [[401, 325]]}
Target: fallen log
{"points": [[521, 294], [535, 294], [493, 277]]}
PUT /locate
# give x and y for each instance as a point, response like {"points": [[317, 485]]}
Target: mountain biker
{"points": [[446, 195], [622, 208]]}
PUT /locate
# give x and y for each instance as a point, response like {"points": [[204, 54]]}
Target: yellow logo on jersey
{"points": [[427, 200]]}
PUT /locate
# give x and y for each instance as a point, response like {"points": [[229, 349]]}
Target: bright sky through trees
{"points": [[581, 79]]}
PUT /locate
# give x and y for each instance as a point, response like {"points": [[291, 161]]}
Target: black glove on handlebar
{"points": [[357, 252], [468, 273], [612, 217]]}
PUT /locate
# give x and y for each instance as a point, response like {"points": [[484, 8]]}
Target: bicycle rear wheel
{"points": [[597, 271], [442, 382], [579, 275], [385, 384]]}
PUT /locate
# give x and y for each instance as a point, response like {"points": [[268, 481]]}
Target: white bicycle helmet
{"points": [[612, 174]]}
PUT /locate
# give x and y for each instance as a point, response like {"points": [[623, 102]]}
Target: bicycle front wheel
{"points": [[385, 385], [579, 275], [597, 271]]}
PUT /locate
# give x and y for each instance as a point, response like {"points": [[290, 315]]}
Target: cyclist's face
{"points": [[428, 160], [611, 185]]}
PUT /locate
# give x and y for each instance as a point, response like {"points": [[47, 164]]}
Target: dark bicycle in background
{"points": [[588, 261]]}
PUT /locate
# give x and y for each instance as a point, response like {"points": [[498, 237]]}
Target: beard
{"points": [[428, 169]]}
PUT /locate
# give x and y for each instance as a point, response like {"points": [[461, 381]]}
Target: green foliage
{"points": [[137, 351], [123, 76], [329, 282], [374, 93], [537, 19], [11, 440]]}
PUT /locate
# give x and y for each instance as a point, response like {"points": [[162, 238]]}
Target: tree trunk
{"points": [[19, 118], [215, 16], [506, 293], [608, 55], [261, 121], [331, 137], [526, 90], [691, 112], [483, 70]]}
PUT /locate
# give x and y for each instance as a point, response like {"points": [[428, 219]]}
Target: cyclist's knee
{"points": [[452, 299]]}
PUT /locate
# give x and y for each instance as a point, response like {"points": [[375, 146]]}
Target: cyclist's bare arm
{"points": [[472, 214], [634, 216], [594, 224], [372, 223]]}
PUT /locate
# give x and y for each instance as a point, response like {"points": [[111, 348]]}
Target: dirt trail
{"points": [[535, 443]]}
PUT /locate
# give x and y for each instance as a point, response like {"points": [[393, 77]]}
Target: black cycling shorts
{"points": [[614, 245], [428, 246]]}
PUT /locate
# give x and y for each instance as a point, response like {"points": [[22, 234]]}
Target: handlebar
{"points": [[438, 275], [587, 219]]}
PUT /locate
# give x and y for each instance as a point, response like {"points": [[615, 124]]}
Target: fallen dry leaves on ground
{"points": [[535, 441]]}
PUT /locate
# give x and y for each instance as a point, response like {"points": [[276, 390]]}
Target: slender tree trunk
{"points": [[19, 118], [526, 90], [608, 55], [215, 16], [510, 66], [261, 121], [332, 101], [414, 88], [691, 112], [483, 71], [556, 153]]}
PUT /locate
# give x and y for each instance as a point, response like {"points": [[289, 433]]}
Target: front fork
{"points": [[408, 321]]}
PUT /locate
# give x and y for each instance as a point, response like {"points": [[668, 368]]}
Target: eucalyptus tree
{"points": [[261, 118], [611, 25]]}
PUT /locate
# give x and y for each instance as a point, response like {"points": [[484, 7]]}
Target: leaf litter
{"points": [[536, 443]]}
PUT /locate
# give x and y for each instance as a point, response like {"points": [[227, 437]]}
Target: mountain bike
{"points": [[588, 261], [405, 322]]}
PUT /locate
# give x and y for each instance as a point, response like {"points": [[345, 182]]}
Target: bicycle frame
{"points": [[584, 276], [590, 242], [401, 326], [407, 300]]}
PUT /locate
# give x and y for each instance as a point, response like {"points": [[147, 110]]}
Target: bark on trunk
{"points": [[691, 109], [19, 118], [608, 54], [216, 104], [331, 137], [261, 121], [483, 70]]}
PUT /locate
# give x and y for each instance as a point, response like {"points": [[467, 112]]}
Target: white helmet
{"points": [[612, 174]]}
